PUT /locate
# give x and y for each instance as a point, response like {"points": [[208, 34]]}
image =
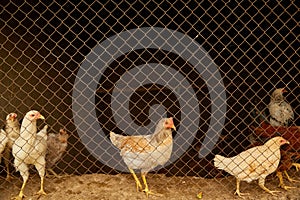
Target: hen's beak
{"points": [[284, 90], [287, 142], [39, 116], [13, 117], [173, 127]]}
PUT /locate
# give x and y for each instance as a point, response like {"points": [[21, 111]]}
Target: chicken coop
{"points": [[93, 67]]}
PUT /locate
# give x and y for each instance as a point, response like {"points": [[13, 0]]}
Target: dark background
{"points": [[254, 45]]}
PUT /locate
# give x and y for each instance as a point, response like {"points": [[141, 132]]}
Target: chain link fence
{"points": [[93, 67]]}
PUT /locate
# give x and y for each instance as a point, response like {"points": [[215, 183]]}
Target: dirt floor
{"points": [[122, 186]]}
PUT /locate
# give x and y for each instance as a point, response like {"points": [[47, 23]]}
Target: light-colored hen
{"points": [[12, 128], [30, 148], [145, 152], [255, 163], [3, 142]]}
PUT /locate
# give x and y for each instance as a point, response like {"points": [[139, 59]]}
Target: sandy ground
{"points": [[122, 186]]}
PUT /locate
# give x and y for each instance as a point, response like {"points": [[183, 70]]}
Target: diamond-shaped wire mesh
{"points": [[46, 47]]}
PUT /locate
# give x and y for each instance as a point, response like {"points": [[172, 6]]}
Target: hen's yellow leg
{"points": [[21, 194], [146, 190], [281, 183], [53, 172], [261, 183], [238, 189], [289, 178], [41, 191], [297, 165], [138, 183]]}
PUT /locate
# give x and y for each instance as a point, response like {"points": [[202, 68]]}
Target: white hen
{"points": [[255, 163], [30, 148], [12, 129], [3, 141]]}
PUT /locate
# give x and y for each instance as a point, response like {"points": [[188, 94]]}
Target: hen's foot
{"points": [[19, 197], [51, 176], [261, 183], [41, 192], [285, 187], [139, 186], [281, 182], [289, 178], [272, 192], [293, 180], [297, 166], [54, 174], [237, 192], [148, 192]]}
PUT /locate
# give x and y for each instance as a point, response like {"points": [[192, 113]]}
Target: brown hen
{"points": [[56, 147]]}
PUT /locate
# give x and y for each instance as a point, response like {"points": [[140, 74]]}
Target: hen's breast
{"points": [[263, 165], [149, 158], [164, 151]]}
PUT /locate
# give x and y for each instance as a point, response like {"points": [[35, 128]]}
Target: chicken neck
{"points": [[28, 134]]}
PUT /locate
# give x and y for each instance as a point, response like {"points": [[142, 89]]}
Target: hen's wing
{"points": [[134, 144], [240, 165], [40, 146], [3, 141], [252, 163], [281, 112]]}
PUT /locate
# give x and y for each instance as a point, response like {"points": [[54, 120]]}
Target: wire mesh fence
{"points": [[92, 67]]}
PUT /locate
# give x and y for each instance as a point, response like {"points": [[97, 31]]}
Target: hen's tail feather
{"points": [[43, 132], [221, 162], [116, 139]]}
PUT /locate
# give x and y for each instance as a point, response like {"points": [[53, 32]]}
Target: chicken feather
{"points": [[30, 148], [56, 146], [12, 128], [3, 141], [281, 111], [255, 163], [145, 152], [289, 154]]}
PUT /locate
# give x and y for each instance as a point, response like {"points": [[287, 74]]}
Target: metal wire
{"points": [[45, 47]]}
